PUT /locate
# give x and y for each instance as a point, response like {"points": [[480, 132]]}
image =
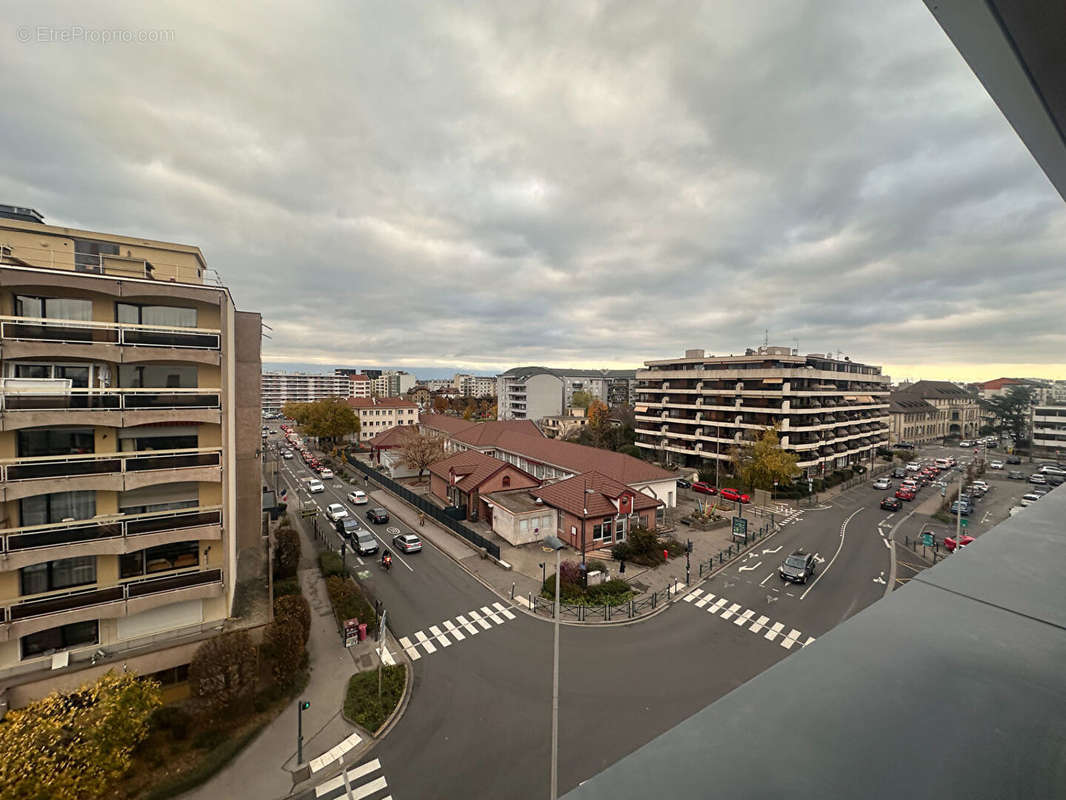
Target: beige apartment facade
{"points": [[130, 467]]}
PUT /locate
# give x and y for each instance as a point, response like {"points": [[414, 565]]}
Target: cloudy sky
{"points": [[572, 184]]}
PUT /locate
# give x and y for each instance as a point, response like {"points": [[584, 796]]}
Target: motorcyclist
{"points": [[386, 559]]}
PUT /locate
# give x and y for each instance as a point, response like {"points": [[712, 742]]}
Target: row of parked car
{"points": [[702, 487], [913, 478]]}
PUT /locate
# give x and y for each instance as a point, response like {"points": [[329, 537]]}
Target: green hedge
{"points": [[349, 603], [330, 563], [362, 704], [286, 587], [208, 767]]}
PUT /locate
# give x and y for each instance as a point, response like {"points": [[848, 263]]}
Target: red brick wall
{"points": [[439, 487], [574, 540], [519, 480]]}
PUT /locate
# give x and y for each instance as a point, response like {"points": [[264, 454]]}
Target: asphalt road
{"points": [[479, 720]]}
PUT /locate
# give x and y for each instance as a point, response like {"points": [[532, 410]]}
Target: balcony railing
{"points": [[68, 601], [40, 398], [111, 527], [37, 329], [23, 469]]}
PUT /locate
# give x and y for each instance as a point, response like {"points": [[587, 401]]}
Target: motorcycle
{"points": [[386, 563]]}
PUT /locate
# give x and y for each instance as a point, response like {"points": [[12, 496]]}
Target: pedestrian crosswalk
{"points": [[364, 781], [450, 632], [745, 618], [332, 755]]}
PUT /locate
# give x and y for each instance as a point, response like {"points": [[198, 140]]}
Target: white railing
{"points": [[42, 329], [76, 464], [35, 396]]}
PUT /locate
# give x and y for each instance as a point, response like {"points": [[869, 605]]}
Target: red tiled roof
{"points": [[380, 402], [570, 495], [578, 458], [487, 433], [999, 383], [393, 437], [445, 423], [359, 377], [475, 467]]}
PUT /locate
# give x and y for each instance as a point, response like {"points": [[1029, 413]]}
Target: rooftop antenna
{"points": [[765, 337]]}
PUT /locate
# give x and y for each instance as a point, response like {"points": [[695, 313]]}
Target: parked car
{"points": [[378, 516], [1037, 479], [858, 469], [1052, 469], [336, 511], [683, 483], [702, 487], [1014, 459], [407, 542], [314, 486], [1055, 480], [882, 483], [1040, 491], [962, 508], [995, 465], [1029, 499], [326, 473], [904, 494], [891, 504], [1016, 475], [358, 497], [797, 567], [966, 443], [733, 494], [951, 545], [365, 543]]}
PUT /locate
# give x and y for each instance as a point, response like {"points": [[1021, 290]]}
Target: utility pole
{"points": [[958, 509]]}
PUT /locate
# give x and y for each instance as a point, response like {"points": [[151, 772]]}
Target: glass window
{"points": [[169, 316], [54, 307], [33, 371], [60, 574], [161, 443], [45, 509], [66, 636], [55, 442], [157, 376], [159, 559], [78, 376]]}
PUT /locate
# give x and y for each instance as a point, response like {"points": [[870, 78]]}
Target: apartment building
{"points": [[537, 392], [279, 388], [360, 385], [378, 414], [829, 411], [1048, 427], [474, 385], [130, 470], [392, 383]]}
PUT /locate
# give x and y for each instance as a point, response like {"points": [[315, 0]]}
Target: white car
{"points": [[1049, 469], [882, 483], [1029, 499], [287, 454], [995, 465], [326, 473], [358, 497], [314, 486], [336, 511], [982, 484]]}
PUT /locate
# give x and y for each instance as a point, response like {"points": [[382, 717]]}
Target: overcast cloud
{"points": [[575, 184]]}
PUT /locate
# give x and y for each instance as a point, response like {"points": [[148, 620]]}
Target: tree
{"points": [[286, 552], [1011, 411], [419, 450], [328, 419], [759, 464], [581, 399], [222, 672], [295, 608], [597, 414], [74, 745], [468, 411], [285, 643], [440, 404]]}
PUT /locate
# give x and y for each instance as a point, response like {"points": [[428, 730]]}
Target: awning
{"points": [[773, 380]]}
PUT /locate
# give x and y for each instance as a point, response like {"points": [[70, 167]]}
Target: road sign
{"points": [[351, 632], [964, 522], [740, 527], [928, 540]]}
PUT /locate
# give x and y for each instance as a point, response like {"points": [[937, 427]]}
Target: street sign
{"points": [[740, 527], [964, 522], [351, 632], [927, 539]]}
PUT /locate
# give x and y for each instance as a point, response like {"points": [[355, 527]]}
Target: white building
{"points": [[1048, 425], [394, 383], [378, 414], [537, 392], [474, 385], [279, 388]]}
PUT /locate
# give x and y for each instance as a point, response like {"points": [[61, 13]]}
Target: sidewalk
{"points": [[265, 768]]}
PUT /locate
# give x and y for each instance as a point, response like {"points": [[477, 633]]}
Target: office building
{"points": [[130, 469]]}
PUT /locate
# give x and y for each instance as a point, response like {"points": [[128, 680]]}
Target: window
{"points": [[644, 522], [601, 532], [159, 559], [45, 509], [87, 254], [506, 481], [53, 308], [54, 575], [56, 442], [157, 376], [172, 676], [190, 442], [169, 316], [62, 638], [620, 529]]}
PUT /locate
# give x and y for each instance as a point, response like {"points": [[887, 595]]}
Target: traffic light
{"points": [[305, 704]]}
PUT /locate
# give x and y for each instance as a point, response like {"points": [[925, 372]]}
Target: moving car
{"points": [[891, 504], [882, 483], [797, 567], [347, 527], [407, 542], [358, 497], [682, 483], [967, 443], [943, 463], [899, 472], [365, 543], [326, 473], [336, 511], [733, 494], [903, 493], [951, 545], [995, 465], [287, 454], [702, 487], [314, 486], [378, 516], [1014, 460], [914, 466]]}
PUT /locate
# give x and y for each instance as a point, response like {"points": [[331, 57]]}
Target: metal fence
{"points": [[605, 613], [431, 509]]}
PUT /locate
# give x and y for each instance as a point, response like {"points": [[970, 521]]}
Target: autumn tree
{"points": [[419, 450], [760, 463], [286, 552], [581, 399], [440, 404], [286, 645], [222, 672], [72, 746], [469, 411], [328, 419], [597, 414]]}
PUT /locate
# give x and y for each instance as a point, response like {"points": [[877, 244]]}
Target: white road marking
{"points": [[438, 634], [353, 774], [759, 624], [704, 600], [880, 580], [764, 580], [887, 543], [334, 753], [503, 610], [764, 552], [386, 656], [745, 618], [454, 631], [466, 624], [730, 611], [405, 643], [809, 640], [477, 618], [425, 642], [488, 612], [774, 631], [771, 599], [750, 569], [843, 531], [721, 601]]}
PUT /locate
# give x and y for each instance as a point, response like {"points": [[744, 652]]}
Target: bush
{"points": [[222, 672], [285, 642], [174, 719], [209, 739], [595, 565], [330, 563], [286, 552], [294, 608], [215, 760], [609, 593], [349, 602], [362, 704], [286, 587]]}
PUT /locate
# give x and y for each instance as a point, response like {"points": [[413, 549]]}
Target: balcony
{"points": [[108, 535], [115, 472], [33, 337], [38, 614], [31, 404]]}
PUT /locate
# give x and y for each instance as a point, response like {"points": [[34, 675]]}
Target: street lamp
{"points": [[543, 572], [556, 544]]}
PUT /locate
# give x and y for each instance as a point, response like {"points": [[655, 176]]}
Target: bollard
{"points": [[606, 612], [512, 590], [531, 606], [653, 598], [631, 608]]}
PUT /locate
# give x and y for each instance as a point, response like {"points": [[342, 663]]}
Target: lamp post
{"points": [[300, 709], [543, 572], [556, 544]]}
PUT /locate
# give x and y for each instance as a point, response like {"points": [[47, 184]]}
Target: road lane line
{"points": [[843, 531], [764, 580]]}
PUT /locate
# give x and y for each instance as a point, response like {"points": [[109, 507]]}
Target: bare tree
{"points": [[420, 450]]}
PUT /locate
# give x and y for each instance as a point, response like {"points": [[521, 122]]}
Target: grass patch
{"points": [[362, 704]]}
